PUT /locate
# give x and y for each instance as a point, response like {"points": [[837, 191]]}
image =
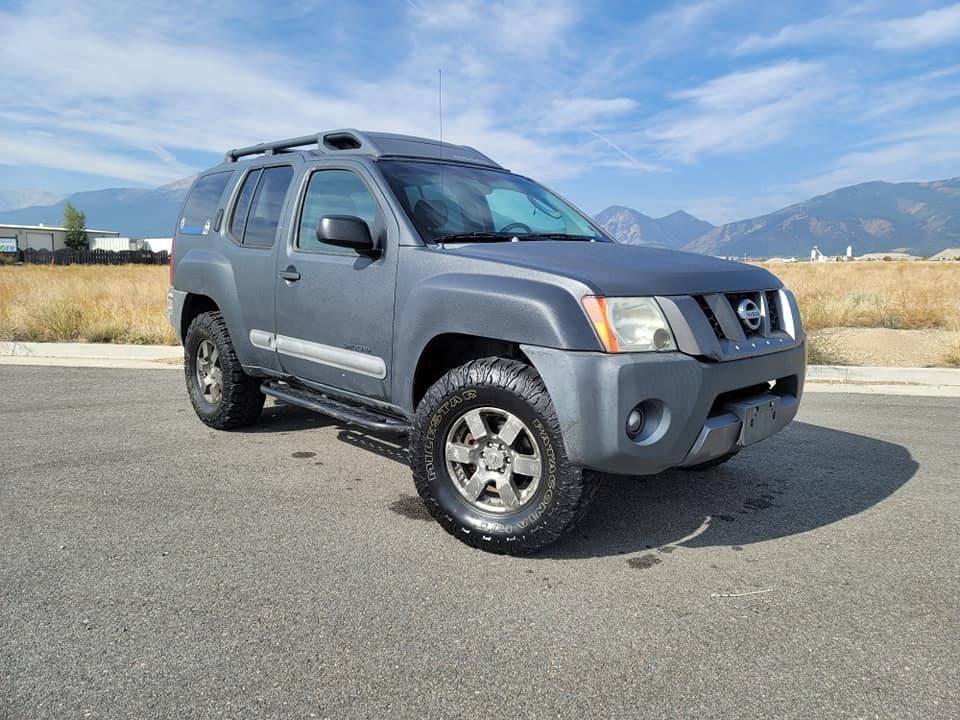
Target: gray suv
{"points": [[412, 287]]}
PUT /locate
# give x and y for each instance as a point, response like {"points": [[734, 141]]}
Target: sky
{"points": [[725, 108]]}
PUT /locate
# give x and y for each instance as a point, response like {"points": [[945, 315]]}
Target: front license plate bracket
{"points": [[758, 416]]}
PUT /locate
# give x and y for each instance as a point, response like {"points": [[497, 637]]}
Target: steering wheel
{"points": [[516, 226]]}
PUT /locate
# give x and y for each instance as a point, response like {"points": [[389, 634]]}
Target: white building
{"points": [[947, 254], [157, 244], [41, 237], [894, 255]]}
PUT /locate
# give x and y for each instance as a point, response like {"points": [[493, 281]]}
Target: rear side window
{"points": [[334, 192], [256, 214], [242, 208], [201, 207]]}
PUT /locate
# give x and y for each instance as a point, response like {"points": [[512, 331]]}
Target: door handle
{"points": [[290, 274]]}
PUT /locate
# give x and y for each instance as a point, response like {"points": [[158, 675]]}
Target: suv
{"points": [[413, 287]]}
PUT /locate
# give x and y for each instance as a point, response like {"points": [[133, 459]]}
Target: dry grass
{"points": [[823, 350], [952, 356], [897, 295], [125, 304], [109, 304], [906, 295]]}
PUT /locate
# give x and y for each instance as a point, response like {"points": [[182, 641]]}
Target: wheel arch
{"points": [[449, 350], [452, 318], [195, 304]]}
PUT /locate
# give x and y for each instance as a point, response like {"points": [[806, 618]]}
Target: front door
{"points": [[335, 307]]}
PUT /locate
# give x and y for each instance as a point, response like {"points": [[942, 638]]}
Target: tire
{"points": [[511, 512], [238, 400], [716, 462]]}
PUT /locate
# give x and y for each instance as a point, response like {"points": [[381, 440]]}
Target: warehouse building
{"points": [[41, 237]]}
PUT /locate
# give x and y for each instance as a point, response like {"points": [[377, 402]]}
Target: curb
{"points": [[851, 374], [820, 378], [102, 355]]}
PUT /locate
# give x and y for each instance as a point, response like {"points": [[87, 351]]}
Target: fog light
{"points": [[662, 339], [635, 422]]}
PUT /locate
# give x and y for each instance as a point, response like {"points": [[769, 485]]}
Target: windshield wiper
{"points": [[505, 236], [476, 236], [559, 236]]}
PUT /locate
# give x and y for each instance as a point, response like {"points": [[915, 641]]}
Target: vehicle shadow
{"points": [[280, 418], [804, 478], [389, 447], [283, 418]]}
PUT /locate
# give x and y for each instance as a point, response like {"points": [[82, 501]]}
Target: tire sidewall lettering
{"points": [[433, 456], [435, 421]]}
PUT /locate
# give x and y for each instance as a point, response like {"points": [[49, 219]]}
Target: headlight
{"points": [[629, 324]]}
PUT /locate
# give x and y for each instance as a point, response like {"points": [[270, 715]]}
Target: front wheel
{"points": [[489, 462]]}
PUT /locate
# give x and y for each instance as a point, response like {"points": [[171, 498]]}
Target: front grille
{"points": [[775, 325], [711, 317], [773, 311], [722, 312]]}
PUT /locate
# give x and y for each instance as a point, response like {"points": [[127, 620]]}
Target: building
{"points": [[40, 237], [158, 244], [893, 255], [948, 254]]}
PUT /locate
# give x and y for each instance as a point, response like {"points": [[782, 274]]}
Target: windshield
{"points": [[477, 204]]}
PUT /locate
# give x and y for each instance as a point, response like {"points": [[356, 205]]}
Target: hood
{"points": [[614, 269]]}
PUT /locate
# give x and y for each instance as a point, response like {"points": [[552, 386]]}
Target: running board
{"points": [[339, 410]]}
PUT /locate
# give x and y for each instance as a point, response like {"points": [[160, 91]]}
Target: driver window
{"points": [[334, 192]]}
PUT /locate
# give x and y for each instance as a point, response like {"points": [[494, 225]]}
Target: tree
{"points": [[75, 222]]}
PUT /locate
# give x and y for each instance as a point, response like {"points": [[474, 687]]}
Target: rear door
{"points": [[253, 224], [335, 307]]}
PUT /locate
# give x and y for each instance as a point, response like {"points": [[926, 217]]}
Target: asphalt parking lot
{"points": [[153, 568]]}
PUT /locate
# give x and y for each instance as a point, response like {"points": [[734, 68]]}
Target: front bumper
{"points": [[694, 410]]}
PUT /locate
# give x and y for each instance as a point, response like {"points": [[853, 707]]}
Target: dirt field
{"points": [[893, 314]]}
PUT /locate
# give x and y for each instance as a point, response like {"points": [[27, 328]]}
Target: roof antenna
{"points": [[443, 203]]}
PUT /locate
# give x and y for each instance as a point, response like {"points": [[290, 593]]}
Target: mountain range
{"points": [[919, 217], [13, 199], [134, 212], [634, 228]]}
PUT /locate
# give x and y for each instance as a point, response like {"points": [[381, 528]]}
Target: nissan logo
{"points": [[749, 313]]}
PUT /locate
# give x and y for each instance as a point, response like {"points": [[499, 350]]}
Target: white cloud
{"points": [[133, 87], [933, 27], [843, 25], [927, 149], [567, 113], [663, 32], [517, 27], [896, 99], [44, 150], [742, 110]]}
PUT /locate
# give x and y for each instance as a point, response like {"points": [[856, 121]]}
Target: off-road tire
{"points": [[564, 491], [716, 462], [241, 401]]}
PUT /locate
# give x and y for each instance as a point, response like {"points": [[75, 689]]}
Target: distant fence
{"points": [[94, 257]]}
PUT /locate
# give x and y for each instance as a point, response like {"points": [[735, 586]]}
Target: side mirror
{"points": [[347, 231]]}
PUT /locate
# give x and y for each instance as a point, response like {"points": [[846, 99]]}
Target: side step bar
{"points": [[337, 409]]}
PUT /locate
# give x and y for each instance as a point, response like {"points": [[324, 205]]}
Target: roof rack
{"points": [[366, 143]]}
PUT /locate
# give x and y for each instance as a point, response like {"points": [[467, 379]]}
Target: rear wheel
{"points": [[489, 462], [222, 395]]}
